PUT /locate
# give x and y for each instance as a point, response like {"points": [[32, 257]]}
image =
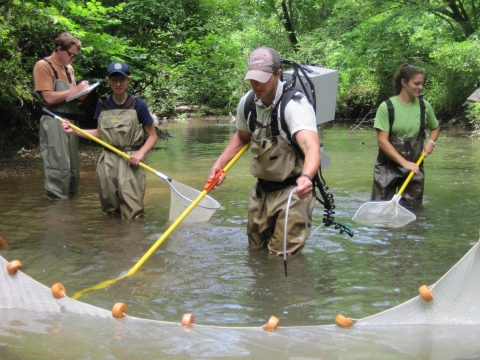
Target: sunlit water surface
{"points": [[207, 269]]}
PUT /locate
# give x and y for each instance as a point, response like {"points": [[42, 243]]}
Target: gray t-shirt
{"points": [[299, 115]]}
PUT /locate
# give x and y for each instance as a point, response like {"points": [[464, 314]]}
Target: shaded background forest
{"points": [[193, 52]]}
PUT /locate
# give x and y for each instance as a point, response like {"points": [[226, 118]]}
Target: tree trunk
{"points": [[289, 27]]}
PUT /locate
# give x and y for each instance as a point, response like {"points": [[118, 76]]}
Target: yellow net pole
{"points": [[94, 138], [419, 161], [209, 186]]}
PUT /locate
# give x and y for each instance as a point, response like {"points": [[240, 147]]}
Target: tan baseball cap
{"points": [[263, 62]]}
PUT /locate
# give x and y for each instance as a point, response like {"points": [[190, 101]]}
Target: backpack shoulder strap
{"points": [[250, 111], [391, 116], [289, 92], [422, 118]]}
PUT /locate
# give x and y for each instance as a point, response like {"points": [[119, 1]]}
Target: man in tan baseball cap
{"points": [[280, 162], [262, 64]]}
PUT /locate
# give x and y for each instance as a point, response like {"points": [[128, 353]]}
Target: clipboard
{"points": [[90, 88]]}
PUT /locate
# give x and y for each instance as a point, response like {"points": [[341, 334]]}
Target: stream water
{"points": [[208, 269]]}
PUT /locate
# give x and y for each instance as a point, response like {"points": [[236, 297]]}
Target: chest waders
{"points": [[388, 175], [121, 188], [59, 151], [277, 165]]}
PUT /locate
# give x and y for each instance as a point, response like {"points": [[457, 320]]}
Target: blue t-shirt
{"points": [[141, 107]]}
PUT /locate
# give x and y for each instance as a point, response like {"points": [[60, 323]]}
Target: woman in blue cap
{"points": [[122, 121]]}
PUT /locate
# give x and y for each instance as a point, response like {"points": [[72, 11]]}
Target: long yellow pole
{"points": [[209, 186], [419, 161], [109, 147]]}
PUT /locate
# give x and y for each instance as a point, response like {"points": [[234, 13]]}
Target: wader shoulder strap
{"points": [[422, 118], [105, 103], [391, 116], [55, 73], [129, 104]]}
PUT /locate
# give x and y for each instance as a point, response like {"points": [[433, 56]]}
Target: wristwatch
{"points": [[433, 142]]}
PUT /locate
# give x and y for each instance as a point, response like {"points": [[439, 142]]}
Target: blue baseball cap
{"points": [[118, 67]]}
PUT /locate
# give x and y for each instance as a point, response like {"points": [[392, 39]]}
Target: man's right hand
{"points": [[213, 171], [82, 86]]}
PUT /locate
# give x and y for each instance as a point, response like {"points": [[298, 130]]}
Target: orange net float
{"points": [[3, 242], [426, 293], [119, 310], [58, 291], [14, 266], [188, 320], [343, 321], [271, 324]]}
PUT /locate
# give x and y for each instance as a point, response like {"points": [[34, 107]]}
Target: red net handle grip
{"points": [[211, 183]]}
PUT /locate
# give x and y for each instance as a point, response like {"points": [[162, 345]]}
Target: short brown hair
{"points": [[405, 72], [66, 40]]}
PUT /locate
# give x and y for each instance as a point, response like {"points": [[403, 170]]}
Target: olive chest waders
{"points": [[277, 165], [121, 188], [59, 151]]}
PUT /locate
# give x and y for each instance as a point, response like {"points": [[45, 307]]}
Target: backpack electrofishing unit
{"points": [[303, 81]]}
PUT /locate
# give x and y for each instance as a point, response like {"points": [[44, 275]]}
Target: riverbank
{"points": [[26, 162]]}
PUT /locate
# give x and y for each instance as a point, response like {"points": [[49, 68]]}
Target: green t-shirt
{"points": [[406, 123]]}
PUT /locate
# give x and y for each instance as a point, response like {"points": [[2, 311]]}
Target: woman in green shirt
{"points": [[401, 123]]}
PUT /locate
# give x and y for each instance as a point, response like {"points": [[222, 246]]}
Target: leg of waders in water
{"points": [[296, 232]]}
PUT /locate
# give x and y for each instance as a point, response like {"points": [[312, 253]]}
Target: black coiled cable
{"points": [[329, 204]]}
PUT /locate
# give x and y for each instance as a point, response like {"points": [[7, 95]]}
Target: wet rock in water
{"points": [[162, 134]]}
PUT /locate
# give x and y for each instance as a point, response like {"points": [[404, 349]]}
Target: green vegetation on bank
{"points": [[193, 52]]}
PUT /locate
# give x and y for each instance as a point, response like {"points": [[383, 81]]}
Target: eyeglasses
{"points": [[72, 55], [118, 79]]}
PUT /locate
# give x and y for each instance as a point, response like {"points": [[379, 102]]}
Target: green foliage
{"points": [[472, 112], [194, 52], [22, 28], [367, 41], [455, 67], [209, 75]]}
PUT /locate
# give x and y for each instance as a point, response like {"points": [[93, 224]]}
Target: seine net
{"points": [[456, 299], [33, 323]]}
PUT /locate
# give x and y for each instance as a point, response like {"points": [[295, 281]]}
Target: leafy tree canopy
{"points": [[193, 52]]}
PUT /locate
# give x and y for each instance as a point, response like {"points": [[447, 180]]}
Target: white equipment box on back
{"points": [[325, 82]]}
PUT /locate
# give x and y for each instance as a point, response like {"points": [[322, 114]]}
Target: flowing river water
{"points": [[208, 269]]}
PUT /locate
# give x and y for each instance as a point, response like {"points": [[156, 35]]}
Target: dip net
{"points": [[384, 213], [446, 327]]}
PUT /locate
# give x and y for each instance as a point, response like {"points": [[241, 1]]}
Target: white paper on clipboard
{"points": [[90, 88]]}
